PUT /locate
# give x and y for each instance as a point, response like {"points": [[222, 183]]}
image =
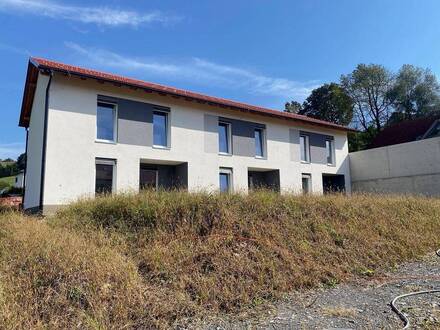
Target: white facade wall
{"points": [[35, 145], [71, 146], [410, 168]]}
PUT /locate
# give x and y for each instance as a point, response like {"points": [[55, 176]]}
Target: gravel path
{"points": [[361, 305]]}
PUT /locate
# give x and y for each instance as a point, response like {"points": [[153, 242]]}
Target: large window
{"points": [[330, 151], [106, 122], [160, 129], [105, 170], [306, 183], [224, 138], [305, 148], [259, 142], [225, 177]]}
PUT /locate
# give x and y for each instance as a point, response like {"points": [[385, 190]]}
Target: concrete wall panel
{"points": [[412, 167]]}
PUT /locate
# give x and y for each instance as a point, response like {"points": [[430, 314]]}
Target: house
{"points": [[407, 131], [402, 159], [90, 132], [19, 180]]}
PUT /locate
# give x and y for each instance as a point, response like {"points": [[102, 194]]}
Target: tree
{"points": [[21, 162], [361, 140], [329, 102], [292, 107], [415, 92], [369, 87]]}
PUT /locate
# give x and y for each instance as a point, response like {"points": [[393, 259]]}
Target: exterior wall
{"points": [[35, 145], [71, 146], [412, 167]]}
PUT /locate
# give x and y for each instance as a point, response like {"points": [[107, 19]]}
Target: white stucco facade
{"points": [[72, 147]]}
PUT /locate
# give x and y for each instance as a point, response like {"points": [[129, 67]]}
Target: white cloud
{"points": [[103, 16], [11, 150], [199, 70], [13, 49]]}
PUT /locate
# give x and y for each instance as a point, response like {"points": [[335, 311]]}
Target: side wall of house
{"points": [[72, 149], [407, 168], [35, 146]]}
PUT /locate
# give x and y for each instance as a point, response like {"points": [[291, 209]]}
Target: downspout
{"points": [[25, 166], [43, 154]]}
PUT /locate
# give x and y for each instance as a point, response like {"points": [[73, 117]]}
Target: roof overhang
{"points": [[37, 65]]}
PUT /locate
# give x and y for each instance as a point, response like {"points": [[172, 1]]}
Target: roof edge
{"points": [[28, 93], [37, 64]]}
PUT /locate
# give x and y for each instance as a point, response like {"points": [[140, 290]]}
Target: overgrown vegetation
{"points": [[156, 259]]}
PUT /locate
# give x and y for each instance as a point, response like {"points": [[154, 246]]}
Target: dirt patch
{"points": [[360, 305]]}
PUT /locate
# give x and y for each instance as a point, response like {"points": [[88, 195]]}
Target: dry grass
{"points": [[339, 311], [154, 260]]}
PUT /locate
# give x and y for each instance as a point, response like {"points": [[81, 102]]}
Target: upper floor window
{"points": [[160, 129], [259, 142], [224, 138], [330, 151], [106, 122], [305, 148]]}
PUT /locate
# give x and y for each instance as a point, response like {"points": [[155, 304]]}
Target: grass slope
{"points": [[7, 181], [154, 260]]}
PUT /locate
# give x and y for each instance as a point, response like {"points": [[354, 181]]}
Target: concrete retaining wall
{"points": [[412, 167]]}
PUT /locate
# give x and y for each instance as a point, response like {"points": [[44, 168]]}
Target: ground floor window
{"points": [[148, 178], [225, 177], [104, 178], [306, 183]]}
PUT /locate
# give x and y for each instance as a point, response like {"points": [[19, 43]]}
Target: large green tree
{"points": [[329, 102], [369, 87], [415, 93]]}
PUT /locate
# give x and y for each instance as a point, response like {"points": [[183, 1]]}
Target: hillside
{"points": [[156, 260]]}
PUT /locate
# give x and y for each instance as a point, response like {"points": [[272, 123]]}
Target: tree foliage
{"points": [[293, 107], [369, 87], [329, 102], [415, 93], [21, 162]]}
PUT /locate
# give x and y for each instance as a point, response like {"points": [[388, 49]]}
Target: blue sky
{"points": [[261, 52]]}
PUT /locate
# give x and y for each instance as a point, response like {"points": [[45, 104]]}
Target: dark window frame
{"points": [[166, 115], [102, 164], [114, 110], [228, 126], [262, 137]]}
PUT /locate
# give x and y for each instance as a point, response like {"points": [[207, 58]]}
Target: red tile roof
{"points": [[41, 64], [405, 131]]}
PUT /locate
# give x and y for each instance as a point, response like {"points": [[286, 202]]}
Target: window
{"points": [[106, 122], [224, 138], [225, 177], [305, 148], [148, 178], [104, 182], [259, 142], [329, 147], [160, 129], [306, 183]]}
